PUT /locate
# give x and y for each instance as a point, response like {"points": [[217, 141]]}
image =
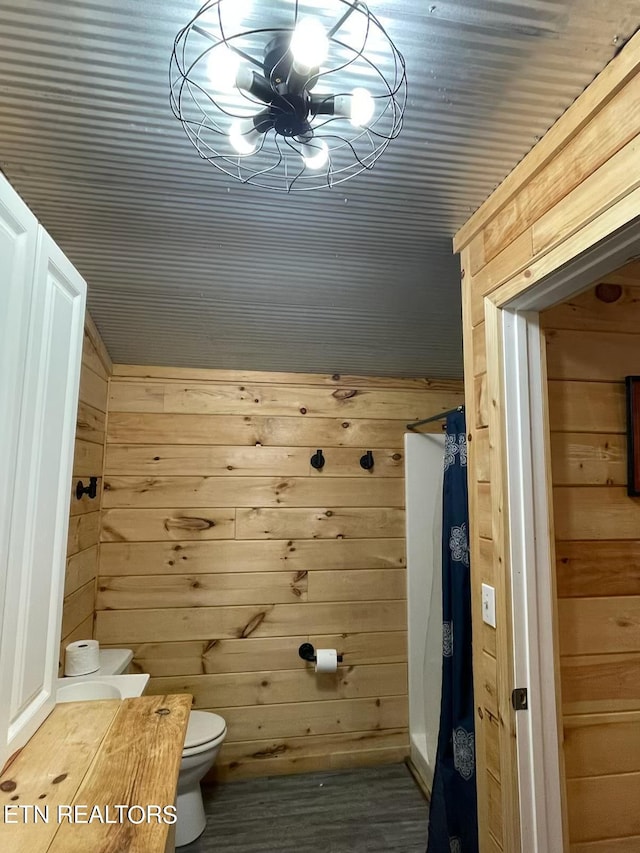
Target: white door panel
{"points": [[18, 235], [39, 515]]}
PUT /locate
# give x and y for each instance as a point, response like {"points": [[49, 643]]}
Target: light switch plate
{"points": [[489, 605]]}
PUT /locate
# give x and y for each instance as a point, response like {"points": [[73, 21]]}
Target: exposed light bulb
{"points": [[362, 107], [309, 44], [244, 136], [244, 78], [233, 13], [359, 107], [315, 155], [223, 66]]}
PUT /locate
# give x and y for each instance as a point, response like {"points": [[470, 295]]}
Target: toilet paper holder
{"points": [[308, 653]]}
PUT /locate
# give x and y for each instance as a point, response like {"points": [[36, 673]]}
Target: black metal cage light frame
{"points": [[309, 97]]}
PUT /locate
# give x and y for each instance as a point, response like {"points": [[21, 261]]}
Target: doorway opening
{"points": [[552, 807]]}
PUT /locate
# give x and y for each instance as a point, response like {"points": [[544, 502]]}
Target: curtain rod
{"points": [[440, 417]]}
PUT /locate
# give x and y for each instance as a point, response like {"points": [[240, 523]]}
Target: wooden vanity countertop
{"points": [[100, 753]]}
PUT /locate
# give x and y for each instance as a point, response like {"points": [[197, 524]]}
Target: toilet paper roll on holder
{"points": [[308, 653]]}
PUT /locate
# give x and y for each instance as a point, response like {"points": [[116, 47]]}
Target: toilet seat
{"points": [[205, 730]]}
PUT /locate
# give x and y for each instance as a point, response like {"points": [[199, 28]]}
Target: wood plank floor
{"points": [[373, 810]]}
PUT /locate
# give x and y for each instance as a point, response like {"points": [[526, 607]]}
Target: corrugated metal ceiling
{"points": [[187, 267]]}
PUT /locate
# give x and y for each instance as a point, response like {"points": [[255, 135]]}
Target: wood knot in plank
{"points": [[608, 293], [59, 779], [269, 753], [253, 625], [343, 394], [114, 535], [8, 786], [162, 712], [190, 523]]}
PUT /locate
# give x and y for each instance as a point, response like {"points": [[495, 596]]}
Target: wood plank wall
{"points": [[222, 550], [593, 342], [577, 187], [84, 522]]}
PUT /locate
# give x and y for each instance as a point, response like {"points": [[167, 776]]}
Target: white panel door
{"points": [[18, 234], [40, 515]]}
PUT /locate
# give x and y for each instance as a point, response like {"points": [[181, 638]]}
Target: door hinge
{"points": [[520, 699]]}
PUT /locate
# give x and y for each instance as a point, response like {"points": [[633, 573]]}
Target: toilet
{"points": [[205, 733]]}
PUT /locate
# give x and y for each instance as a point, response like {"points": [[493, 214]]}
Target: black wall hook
{"points": [[91, 490], [367, 462], [308, 653], [318, 460]]}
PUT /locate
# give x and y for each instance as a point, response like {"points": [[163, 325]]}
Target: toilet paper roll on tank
{"points": [[82, 657]]}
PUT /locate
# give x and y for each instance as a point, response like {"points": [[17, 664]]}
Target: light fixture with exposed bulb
{"points": [[315, 154], [244, 137], [302, 101], [223, 66], [226, 17], [359, 106], [309, 45], [362, 107]]}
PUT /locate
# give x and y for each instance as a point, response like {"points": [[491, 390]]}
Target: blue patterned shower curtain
{"points": [[453, 814]]}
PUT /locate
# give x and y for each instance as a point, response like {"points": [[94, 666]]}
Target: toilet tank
{"points": [[114, 661]]}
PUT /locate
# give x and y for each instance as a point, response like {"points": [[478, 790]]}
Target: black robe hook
{"points": [[91, 490], [367, 461]]}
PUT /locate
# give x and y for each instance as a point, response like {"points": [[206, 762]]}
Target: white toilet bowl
{"points": [[205, 734]]}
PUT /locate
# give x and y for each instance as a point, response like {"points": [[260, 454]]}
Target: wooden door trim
{"points": [[530, 765], [536, 664]]}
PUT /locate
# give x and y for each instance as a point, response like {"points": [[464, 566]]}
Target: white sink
{"points": [[86, 691], [90, 688]]}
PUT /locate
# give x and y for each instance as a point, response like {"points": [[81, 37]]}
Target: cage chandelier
{"points": [[288, 94]]}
